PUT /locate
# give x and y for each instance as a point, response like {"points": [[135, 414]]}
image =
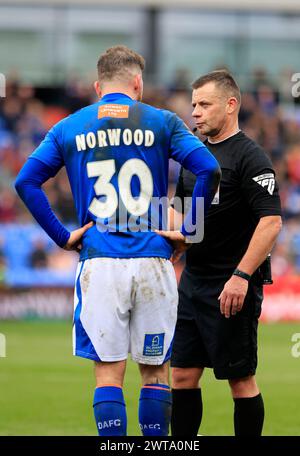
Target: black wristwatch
{"points": [[242, 274]]}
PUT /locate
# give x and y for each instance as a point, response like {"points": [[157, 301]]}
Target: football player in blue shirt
{"points": [[116, 154]]}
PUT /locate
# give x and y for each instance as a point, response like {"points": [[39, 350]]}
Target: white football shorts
{"points": [[125, 305]]}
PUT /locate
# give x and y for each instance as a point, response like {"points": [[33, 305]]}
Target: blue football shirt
{"points": [[116, 153]]}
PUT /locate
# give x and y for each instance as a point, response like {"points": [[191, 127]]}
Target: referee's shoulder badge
{"points": [[266, 181]]}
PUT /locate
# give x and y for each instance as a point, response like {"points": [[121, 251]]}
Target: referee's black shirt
{"points": [[247, 192]]}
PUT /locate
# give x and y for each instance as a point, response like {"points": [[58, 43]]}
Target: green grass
{"points": [[44, 390]]}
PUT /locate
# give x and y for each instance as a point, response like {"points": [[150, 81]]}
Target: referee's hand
{"points": [[74, 241], [233, 295], [178, 241]]}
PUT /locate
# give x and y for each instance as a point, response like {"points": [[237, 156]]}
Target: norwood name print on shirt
{"points": [[114, 137]]}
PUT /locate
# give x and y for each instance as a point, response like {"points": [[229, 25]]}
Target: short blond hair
{"points": [[119, 62]]}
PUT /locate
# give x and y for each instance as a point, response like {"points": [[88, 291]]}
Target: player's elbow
{"points": [[212, 166], [216, 171], [212, 172], [216, 174], [25, 180], [19, 185]]}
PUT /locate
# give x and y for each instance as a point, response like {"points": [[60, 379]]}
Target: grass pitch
{"points": [[44, 390]]}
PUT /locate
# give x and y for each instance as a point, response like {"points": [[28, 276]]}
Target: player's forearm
{"points": [[208, 173], [28, 185], [261, 243]]}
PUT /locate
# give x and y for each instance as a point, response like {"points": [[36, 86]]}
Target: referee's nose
{"points": [[197, 112]]}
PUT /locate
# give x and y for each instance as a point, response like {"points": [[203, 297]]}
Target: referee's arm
{"points": [[261, 243], [260, 190]]}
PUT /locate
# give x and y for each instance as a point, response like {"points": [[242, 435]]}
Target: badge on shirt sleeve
{"points": [[266, 181]]}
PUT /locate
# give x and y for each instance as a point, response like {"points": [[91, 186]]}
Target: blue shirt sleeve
{"points": [[194, 156], [28, 185], [182, 141], [208, 175], [50, 149]]}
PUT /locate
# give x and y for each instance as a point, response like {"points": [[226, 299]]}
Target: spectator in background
{"points": [[38, 258]]}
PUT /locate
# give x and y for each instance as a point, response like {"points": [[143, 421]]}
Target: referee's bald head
{"points": [[222, 80]]}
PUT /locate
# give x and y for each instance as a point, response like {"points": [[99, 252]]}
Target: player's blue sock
{"points": [[110, 411], [155, 409]]}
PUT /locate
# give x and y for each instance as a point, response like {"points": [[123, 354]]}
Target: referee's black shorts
{"points": [[205, 338]]}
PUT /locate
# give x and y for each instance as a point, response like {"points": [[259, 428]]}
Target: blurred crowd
{"points": [[269, 115]]}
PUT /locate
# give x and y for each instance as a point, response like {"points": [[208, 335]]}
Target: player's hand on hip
{"points": [[74, 241], [178, 241], [233, 295]]}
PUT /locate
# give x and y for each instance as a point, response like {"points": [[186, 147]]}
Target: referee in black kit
{"points": [[221, 292]]}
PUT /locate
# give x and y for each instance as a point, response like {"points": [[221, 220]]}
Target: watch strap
{"points": [[242, 274]]}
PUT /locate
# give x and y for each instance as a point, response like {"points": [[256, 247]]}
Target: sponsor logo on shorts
{"points": [[154, 344]]}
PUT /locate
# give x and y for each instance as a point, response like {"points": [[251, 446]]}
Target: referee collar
{"points": [[225, 139]]}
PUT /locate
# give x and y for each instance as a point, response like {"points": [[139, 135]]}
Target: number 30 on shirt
{"points": [[104, 170]]}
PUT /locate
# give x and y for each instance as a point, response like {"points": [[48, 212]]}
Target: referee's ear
{"points": [[97, 89], [232, 105]]}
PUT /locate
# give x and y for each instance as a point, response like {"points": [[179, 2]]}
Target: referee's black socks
{"points": [[249, 415], [186, 412]]}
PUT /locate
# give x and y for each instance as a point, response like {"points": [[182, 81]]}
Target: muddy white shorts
{"points": [[125, 306]]}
